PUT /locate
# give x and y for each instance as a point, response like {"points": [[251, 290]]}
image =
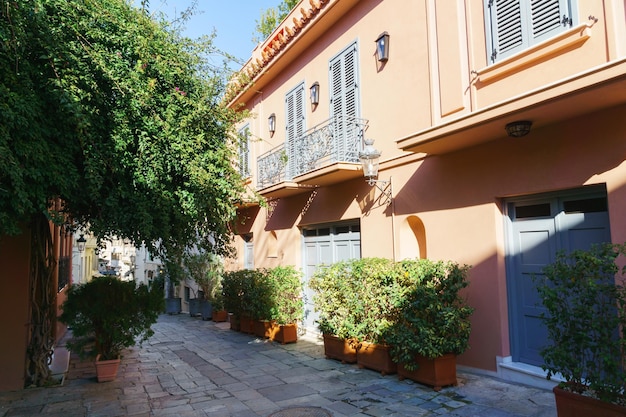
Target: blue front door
{"points": [[539, 227]]}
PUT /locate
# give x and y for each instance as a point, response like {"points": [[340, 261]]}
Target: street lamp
{"points": [[80, 243], [369, 158]]}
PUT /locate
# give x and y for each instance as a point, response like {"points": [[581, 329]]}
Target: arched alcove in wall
{"points": [[412, 238]]}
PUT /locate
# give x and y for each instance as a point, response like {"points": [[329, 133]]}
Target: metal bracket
{"points": [[384, 187]]}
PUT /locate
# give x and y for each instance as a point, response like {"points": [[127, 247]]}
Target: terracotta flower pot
{"points": [[263, 328], [107, 370], [287, 333], [571, 404], [219, 316], [246, 325], [438, 372], [376, 357], [340, 349], [235, 322]]}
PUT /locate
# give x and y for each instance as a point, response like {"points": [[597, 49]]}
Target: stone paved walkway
{"points": [[194, 368]]}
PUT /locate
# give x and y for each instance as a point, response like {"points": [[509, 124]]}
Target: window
{"points": [[514, 25], [244, 151]]}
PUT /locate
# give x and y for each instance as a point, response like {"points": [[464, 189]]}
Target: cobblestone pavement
{"points": [[194, 368]]}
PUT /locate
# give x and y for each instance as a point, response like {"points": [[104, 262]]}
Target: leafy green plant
{"points": [[287, 304], [206, 270], [238, 292], [431, 317], [107, 315], [332, 284], [585, 298], [354, 298]]}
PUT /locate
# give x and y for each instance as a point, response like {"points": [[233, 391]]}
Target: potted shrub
{"points": [[354, 300], [259, 299], [107, 315], [585, 301], [193, 303], [219, 313], [238, 298], [231, 289], [431, 324], [331, 284], [374, 288], [286, 307], [206, 270]]}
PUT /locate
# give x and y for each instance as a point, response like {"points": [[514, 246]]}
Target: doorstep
{"points": [[524, 373]]}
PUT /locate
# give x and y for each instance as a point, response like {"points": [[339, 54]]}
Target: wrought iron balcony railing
{"points": [[339, 139]]}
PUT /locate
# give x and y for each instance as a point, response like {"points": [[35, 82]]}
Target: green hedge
{"points": [[265, 294], [415, 306]]}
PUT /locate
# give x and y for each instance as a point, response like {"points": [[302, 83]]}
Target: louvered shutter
{"points": [[295, 125], [244, 151], [513, 25], [344, 101], [547, 18]]}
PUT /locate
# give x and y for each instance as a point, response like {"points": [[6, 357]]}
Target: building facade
{"points": [[502, 141]]}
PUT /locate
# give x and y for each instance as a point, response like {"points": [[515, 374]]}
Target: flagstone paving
{"points": [[195, 368]]}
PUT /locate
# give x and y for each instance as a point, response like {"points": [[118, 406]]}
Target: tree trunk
{"points": [[42, 303]]}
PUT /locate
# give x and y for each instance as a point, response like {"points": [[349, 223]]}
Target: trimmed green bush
{"points": [[431, 317], [585, 299], [413, 306], [107, 315]]}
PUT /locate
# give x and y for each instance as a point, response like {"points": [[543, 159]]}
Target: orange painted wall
{"points": [[438, 74], [14, 258]]}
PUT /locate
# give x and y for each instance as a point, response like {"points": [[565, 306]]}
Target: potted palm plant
{"points": [[585, 300], [107, 315], [431, 322], [206, 270]]}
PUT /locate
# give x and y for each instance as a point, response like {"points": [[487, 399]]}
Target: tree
{"points": [[271, 18], [115, 117]]}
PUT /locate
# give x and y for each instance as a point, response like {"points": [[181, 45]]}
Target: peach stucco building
{"points": [[453, 184]]}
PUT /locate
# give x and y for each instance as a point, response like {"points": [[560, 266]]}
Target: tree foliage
{"points": [[117, 115], [271, 18]]}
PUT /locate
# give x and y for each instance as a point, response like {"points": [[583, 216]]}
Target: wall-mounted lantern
{"points": [[315, 93], [271, 123], [80, 243], [369, 158], [382, 47]]}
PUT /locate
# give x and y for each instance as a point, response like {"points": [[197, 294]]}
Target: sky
{"points": [[233, 20]]}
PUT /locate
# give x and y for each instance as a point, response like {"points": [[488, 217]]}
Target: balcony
{"points": [[325, 154]]}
